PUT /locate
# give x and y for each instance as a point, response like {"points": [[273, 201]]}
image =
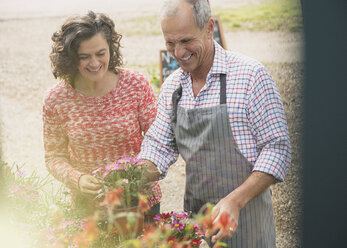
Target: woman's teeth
{"points": [[93, 70]]}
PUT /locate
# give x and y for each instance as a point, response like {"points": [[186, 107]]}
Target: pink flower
{"points": [[111, 167], [178, 225], [114, 166], [66, 223], [33, 197], [14, 188], [29, 187], [20, 173]]}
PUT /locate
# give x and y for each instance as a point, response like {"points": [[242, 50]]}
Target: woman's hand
{"points": [[89, 185]]}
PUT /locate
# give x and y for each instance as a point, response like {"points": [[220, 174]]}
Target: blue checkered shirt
{"points": [[255, 110]]}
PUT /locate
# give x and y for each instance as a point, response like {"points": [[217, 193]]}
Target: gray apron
{"points": [[215, 167]]}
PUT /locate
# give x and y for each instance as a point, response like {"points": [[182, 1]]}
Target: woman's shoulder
{"points": [[132, 75], [133, 79], [57, 92]]}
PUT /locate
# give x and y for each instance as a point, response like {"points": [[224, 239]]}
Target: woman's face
{"points": [[94, 57]]}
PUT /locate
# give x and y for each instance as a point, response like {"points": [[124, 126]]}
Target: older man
{"points": [[222, 112]]}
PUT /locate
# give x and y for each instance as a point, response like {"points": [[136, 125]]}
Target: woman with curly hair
{"points": [[98, 110]]}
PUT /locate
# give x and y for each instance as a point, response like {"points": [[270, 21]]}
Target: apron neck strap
{"points": [[223, 87], [176, 96]]}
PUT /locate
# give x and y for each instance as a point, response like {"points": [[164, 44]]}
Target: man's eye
{"points": [[101, 54]]}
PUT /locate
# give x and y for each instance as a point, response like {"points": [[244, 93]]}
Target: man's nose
{"points": [[179, 50]]}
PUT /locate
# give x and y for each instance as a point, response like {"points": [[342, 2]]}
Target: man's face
{"points": [[186, 41]]}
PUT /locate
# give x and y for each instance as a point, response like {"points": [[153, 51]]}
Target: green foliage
{"points": [[154, 74], [25, 194], [268, 16]]}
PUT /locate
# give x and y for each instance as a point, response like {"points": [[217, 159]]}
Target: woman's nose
{"points": [[94, 61]]}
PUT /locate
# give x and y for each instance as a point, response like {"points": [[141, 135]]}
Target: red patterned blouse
{"points": [[84, 133]]}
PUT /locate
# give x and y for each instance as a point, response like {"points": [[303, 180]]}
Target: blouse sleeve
{"points": [[56, 149], [147, 106]]}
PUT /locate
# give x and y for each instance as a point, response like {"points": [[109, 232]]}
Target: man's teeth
{"points": [[186, 58]]}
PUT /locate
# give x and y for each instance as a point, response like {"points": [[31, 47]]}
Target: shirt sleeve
{"points": [[269, 126], [56, 150], [159, 144], [147, 106]]}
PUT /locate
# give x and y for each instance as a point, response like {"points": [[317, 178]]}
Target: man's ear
{"points": [[210, 27]]}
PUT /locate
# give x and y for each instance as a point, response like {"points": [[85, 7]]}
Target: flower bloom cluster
{"points": [[61, 233], [123, 183], [26, 192], [182, 229], [121, 164]]}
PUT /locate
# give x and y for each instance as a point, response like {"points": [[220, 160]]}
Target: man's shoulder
{"points": [[237, 61]]}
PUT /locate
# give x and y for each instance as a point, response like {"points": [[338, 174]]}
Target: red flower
{"points": [[171, 240], [196, 242], [207, 224], [113, 197], [88, 235], [143, 202], [224, 222]]}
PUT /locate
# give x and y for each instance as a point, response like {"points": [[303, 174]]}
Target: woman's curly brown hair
{"points": [[66, 41]]}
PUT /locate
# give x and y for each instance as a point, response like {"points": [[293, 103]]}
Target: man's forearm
{"points": [[152, 173], [255, 184]]}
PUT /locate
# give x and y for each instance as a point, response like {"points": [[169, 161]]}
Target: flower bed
{"points": [[47, 220]]}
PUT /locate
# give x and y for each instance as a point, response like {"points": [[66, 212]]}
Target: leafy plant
{"points": [[123, 182]]}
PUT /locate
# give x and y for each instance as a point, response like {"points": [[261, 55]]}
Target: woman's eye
{"points": [[101, 54]]}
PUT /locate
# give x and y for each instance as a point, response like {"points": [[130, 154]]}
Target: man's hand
{"points": [[89, 185], [232, 204], [226, 213]]}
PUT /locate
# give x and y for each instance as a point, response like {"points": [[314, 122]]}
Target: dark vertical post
{"points": [[325, 140]]}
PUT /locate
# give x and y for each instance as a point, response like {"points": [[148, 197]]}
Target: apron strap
{"points": [[176, 96], [223, 87]]}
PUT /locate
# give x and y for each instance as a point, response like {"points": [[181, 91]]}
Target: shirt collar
{"points": [[219, 65]]}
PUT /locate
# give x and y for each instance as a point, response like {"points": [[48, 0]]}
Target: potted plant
{"points": [[123, 197]]}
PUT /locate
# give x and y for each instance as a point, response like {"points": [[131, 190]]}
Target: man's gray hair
{"points": [[201, 10]]}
